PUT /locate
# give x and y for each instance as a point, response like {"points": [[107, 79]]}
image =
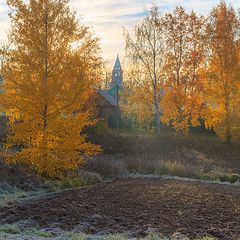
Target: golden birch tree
{"points": [[182, 100], [222, 90], [4, 49], [145, 52], [49, 77]]}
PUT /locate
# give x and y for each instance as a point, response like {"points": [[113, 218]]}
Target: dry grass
{"points": [[123, 165], [10, 194], [14, 232], [140, 142], [201, 156]]}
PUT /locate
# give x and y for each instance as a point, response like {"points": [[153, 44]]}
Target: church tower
{"points": [[110, 98], [117, 74], [117, 80]]}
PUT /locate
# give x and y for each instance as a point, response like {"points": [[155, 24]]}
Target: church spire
{"points": [[117, 75]]}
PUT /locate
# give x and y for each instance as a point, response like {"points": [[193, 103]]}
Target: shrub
{"points": [[10, 229], [38, 233], [65, 183]]}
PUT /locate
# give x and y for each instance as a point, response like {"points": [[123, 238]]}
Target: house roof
{"points": [[108, 97]]}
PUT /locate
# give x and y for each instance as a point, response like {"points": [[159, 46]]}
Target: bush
{"points": [[222, 175], [10, 229], [83, 178], [38, 233], [65, 183]]}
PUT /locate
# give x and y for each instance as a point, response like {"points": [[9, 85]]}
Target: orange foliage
{"points": [[47, 83], [182, 101], [222, 88]]}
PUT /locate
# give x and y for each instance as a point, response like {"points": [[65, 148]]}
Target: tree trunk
{"points": [[45, 91], [228, 135], [157, 118]]}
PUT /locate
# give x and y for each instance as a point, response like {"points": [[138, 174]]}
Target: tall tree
{"points": [[182, 100], [4, 49], [145, 52], [48, 79], [222, 91]]}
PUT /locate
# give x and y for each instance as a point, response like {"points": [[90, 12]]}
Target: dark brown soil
{"points": [[137, 205]]}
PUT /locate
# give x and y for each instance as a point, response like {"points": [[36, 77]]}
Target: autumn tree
{"points": [[145, 52], [182, 100], [137, 103], [49, 77], [4, 49], [222, 75]]}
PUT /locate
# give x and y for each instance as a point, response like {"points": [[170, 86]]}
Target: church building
{"points": [[108, 99]]}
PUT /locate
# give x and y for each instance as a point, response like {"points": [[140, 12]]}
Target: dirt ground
{"points": [[136, 206]]}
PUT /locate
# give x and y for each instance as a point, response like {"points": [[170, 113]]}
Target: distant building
{"points": [[108, 99], [117, 74]]}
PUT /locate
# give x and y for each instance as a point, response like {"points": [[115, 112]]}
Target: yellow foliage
{"points": [[139, 98], [181, 110], [49, 77], [222, 78], [182, 101], [186, 68], [146, 54]]}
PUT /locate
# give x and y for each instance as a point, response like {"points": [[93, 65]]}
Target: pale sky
{"points": [[108, 17]]}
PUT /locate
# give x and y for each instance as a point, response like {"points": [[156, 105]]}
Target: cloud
{"points": [[107, 18], [4, 20]]}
